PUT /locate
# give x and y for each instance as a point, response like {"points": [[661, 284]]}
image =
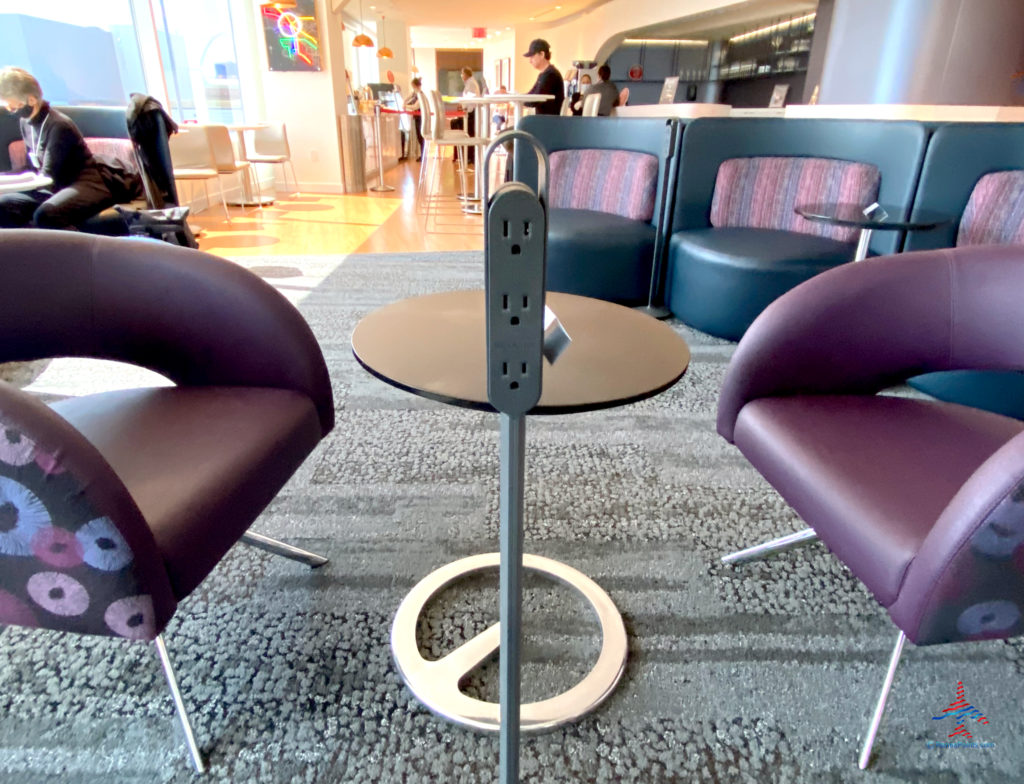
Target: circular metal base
{"points": [[382, 188], [654, 311], [262, 201], [436, 683]]}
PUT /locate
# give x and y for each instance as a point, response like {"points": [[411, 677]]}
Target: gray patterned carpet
{"points": [[765, 673]]}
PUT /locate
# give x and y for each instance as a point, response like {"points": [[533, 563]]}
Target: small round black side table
{"points": [[840, 214], [435, 346]]}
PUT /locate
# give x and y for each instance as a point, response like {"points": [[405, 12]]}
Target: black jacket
{"points": [[60, 151]]}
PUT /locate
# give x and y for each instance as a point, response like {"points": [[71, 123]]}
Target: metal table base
{"points": [[436, 683]]}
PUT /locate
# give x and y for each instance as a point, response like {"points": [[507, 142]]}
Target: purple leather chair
{"points": [[922, 500], [115, 506]]}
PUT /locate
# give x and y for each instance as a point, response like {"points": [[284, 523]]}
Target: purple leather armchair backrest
{"points": [[967, 580], [861, 327], [75, 553], [196, 319]]}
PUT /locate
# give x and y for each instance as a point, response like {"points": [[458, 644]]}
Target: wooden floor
{"points": [[312, 224]]}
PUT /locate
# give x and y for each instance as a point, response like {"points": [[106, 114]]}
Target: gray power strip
{"points": [[515, 251]]}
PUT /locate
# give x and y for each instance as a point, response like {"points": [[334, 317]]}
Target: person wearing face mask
{"points": [[577, 98], [56, 150]]}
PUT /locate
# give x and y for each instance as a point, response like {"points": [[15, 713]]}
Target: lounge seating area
{"points": [[346, 455], [607, 202], [106, 134]]}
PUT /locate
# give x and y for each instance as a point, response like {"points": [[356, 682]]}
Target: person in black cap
{"points": [[550, 80]]}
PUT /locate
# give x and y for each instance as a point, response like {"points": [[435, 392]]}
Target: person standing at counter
{"points": [[56, 150], [414, 103], [549, 82], [471, 89]]}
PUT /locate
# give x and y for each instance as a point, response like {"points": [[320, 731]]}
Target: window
{"points": [[81, 53], [200, 64]]}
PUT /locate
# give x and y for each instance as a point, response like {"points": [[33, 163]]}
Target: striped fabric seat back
{"points": [[995, 211], [18, 154], [763, 192], [615, 181], [112, 150]]}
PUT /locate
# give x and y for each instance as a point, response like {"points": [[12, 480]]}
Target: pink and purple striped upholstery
{"points": [[615, 181], [762, 192], [119, 150], [995, 211]]}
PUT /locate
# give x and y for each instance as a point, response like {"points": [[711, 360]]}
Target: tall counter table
{"points": [[483, 103], [435, 346]]}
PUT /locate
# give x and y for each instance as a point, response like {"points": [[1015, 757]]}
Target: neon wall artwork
{"points": [[292, 36]]}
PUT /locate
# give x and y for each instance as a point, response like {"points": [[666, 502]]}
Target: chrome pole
{"points": [[380, 187]]}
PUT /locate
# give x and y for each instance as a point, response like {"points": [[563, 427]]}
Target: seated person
{"points": [[577, 98], [81, 187], [607, 90], [500, 116]]}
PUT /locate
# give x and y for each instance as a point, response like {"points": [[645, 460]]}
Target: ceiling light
{"points": [[384, 52], [771, 28], [680, 41], [362, 39]]}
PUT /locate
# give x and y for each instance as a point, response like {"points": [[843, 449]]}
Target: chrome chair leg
{"points": [[261, 542], [190, 740], [295, 180], [774, 546], [876, 720]]}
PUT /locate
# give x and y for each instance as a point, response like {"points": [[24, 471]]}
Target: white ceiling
{"points": [[492, 14], [451, 20], [728, 21]]}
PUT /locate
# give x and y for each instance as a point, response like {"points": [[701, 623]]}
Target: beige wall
{"points": [[426, 61], [396, 36], [494, 51], [308, 103]]}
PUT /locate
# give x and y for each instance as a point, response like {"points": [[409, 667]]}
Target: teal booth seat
{"points": [[720, 279], [960, 154], [591, 252]]}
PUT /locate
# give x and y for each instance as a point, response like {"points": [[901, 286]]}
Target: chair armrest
{"points": [[70, 498], [967, 580], [865, 326], [196, 319]]}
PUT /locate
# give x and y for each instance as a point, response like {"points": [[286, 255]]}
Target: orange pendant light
{"points": [[362, 39], [383, 52]]}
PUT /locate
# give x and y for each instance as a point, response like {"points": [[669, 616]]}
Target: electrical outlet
{"points": [[514, 251]]}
